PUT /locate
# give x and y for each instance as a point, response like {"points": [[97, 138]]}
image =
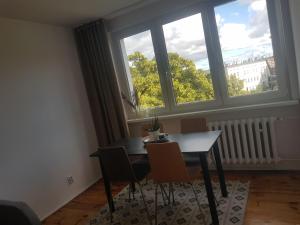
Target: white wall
{"points": [[46, 129]]}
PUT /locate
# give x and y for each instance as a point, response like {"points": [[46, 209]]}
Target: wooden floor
{"points": [[274, 198]]}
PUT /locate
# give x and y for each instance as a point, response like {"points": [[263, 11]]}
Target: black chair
{"points": [[117, 167], [17, 213]]}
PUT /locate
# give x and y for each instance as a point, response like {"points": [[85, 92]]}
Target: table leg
{"points": [[220, 169], [107, 190], [209, 189]]}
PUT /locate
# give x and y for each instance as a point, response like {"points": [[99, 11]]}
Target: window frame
{"points": [[217, 69]]}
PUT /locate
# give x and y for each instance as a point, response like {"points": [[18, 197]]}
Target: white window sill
{"points": [[223, 110]]}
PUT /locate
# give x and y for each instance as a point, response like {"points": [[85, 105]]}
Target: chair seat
{"points": [[141, 167]]}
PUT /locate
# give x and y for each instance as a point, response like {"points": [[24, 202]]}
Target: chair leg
{"points": [[163, 194], [155, 204], [198, 203], [111, 216], [129, 192], [146, 208], [171, 192]]}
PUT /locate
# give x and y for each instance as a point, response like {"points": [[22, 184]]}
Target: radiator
{"points": [[247, 141]]}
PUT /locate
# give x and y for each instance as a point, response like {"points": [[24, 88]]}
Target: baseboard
{"points": [[286, 164], [71, 198]]}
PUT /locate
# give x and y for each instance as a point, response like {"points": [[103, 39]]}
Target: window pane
{"points": [[188, 60], [246, 44], [142, 71]]}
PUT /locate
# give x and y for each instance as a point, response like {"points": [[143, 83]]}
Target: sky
{"points": [[243, 28]]}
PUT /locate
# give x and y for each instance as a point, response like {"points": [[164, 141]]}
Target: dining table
{"points": [[201, 143]]}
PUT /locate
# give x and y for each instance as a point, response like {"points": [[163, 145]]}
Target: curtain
{"points": [[101, 82]]}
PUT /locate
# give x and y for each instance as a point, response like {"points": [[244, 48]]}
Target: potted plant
{"points": [[154, 130]]}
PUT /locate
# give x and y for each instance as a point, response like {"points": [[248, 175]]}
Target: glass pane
{"points": [[246, 44], [188, 60], [142, 71]]}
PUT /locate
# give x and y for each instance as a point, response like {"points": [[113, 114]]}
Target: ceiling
{"points": [[65, 12]]}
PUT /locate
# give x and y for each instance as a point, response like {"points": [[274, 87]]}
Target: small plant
{"points": [[155, 126]]}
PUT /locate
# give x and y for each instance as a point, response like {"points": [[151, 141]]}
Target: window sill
{"points": [[222, 110]]}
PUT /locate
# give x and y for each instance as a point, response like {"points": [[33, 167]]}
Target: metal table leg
{"points": [[220, 169], [209, 189]]}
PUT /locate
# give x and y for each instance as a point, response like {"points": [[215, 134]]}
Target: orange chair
{"points": [[191, 125], [167, 166]]}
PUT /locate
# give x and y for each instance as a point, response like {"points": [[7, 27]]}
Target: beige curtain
{"points": [[101, 82]]}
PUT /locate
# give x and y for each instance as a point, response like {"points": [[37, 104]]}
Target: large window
{"points": [[188, 60], [246, 44], [143, 78], [215, 55]]}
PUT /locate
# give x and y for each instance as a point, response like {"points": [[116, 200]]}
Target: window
{"points": [[188, 60], [212, 54], [142, 74], [246, 45]]}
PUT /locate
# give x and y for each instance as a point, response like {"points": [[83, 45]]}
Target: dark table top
{"points": [[190, 142]]}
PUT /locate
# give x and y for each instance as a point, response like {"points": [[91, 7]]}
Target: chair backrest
{"points": [[115, 164], [167, 163], [17, 213], [146, 127], [191, 125]]}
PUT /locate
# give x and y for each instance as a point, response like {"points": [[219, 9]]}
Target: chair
{"points": [[17, 213], [191, 125], [167, 166], [117, 167], [141, 162]]}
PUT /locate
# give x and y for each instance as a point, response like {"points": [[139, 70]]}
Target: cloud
{"points": [[186, 36], [259, 21], [250, 39], [259, 5], [141, 42]]}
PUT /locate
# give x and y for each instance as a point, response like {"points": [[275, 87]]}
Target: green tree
{"points": [[235, 85], [146, 81], [189, 83]]}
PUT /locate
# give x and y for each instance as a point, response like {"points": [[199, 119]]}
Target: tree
{"points": [[189, 83], [146, 81], [235, 86]]}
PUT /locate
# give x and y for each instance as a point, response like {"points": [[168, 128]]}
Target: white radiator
{"points": [[247, 141]]}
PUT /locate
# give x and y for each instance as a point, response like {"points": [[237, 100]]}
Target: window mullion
{"points": [[283, 52], [214, 54], [163, 65]]}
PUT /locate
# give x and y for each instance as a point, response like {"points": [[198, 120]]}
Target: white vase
{"points": [[154, 134]]}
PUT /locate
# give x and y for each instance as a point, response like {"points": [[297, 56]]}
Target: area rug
{"points": [[231, 210]]}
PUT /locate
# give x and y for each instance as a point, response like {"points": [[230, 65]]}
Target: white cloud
{"points": [[186, 36], [259, 5], [219, 20], [141, 42]]}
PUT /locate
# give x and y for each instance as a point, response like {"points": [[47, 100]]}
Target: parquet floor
{"points": [[274, 198]]}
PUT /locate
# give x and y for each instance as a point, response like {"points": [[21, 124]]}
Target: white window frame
{"points": [[280, 41]]}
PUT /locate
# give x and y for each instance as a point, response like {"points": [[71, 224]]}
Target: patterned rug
{"points": [[231, 210]]}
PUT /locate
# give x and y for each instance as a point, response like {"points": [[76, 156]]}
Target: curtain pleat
{"points": [[101, 82]]}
